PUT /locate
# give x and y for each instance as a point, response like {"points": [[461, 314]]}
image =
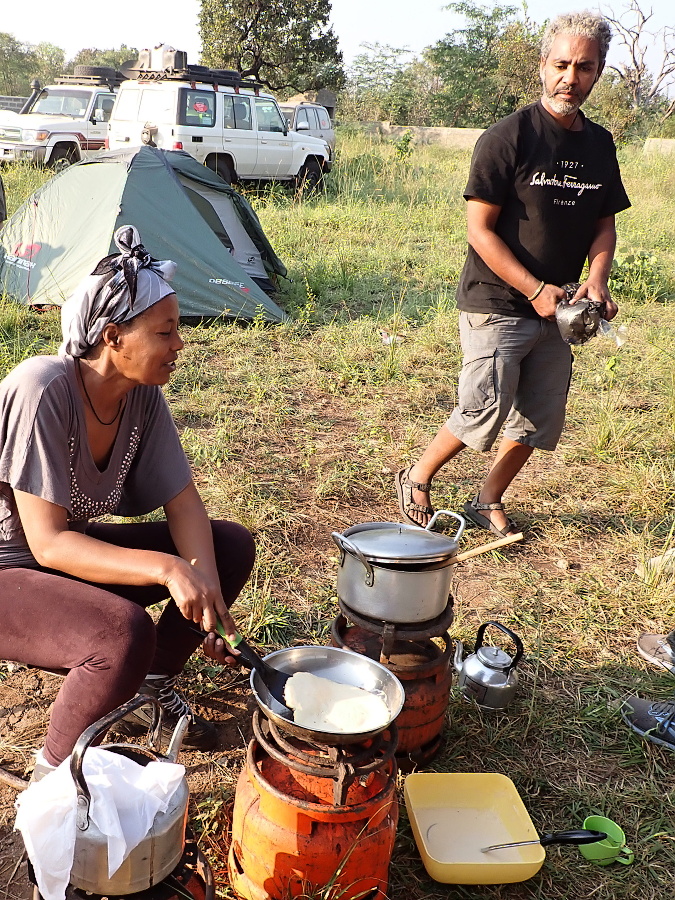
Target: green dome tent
{"points": [[183, 212]]}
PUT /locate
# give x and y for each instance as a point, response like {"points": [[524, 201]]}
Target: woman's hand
{"points": [[219, 651]]}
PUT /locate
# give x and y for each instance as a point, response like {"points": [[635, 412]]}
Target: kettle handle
{"points": [[446, 512], [514, 637], [347, 547], [90, 734]]}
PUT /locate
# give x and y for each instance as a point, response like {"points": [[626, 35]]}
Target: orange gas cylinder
{"points": [[289, 836], [424, 669]]}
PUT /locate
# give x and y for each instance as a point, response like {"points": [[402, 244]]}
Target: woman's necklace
{"points": [[91, 405]]}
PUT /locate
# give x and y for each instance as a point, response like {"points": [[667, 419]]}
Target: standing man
{"points": [[543, 190]]}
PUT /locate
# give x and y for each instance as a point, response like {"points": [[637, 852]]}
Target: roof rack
{"points": [[197, 74], [94, 80]]}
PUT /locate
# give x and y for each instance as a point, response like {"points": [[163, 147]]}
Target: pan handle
{"points": [[347, 547], [446, 512], [576, 836]]}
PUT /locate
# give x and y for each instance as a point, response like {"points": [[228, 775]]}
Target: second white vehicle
{"points": [[224, 121]]}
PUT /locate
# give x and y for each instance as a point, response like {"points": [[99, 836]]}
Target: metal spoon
{"points": [[274, 680], [579, 836]]}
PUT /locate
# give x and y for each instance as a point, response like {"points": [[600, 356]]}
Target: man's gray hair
{"points": [[579, 24]]}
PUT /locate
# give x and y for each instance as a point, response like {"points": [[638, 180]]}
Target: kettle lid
{"points": [[494, 657]]}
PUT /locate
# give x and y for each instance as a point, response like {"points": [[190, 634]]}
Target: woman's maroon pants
{"points": [[101, 632]]}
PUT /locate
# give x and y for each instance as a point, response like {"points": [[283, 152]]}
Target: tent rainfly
{"points": [[183, 211]]}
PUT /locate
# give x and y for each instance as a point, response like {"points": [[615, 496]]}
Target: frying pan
{"points": [[336, 664]]}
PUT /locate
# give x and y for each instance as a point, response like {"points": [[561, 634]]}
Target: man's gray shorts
{"points": [[516, 372]]}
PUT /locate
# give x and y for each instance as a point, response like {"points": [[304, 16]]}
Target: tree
{"points": [[646, 88], [284, 44], [50, 60], [92, 56], [467, 60], [18, 66]]}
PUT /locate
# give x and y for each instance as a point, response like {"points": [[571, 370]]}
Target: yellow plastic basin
{"points": [[454, 815]]}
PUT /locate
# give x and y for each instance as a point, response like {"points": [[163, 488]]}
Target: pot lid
{"points": [[393, 542], [494, 657]]}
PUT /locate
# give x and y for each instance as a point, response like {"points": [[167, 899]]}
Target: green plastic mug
{"points": [[611, 849]]}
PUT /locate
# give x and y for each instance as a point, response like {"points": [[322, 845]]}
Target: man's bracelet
{"points": [[534, 296]]}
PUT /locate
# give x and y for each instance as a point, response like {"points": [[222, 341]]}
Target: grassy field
{"points": [[295, 430]]}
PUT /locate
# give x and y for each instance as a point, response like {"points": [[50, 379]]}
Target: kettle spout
{"points": [[459, 653]]}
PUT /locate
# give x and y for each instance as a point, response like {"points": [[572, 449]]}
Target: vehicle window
{"points": [[62, 103], [302, 117], [313, 120], [324, 118], [103, 107], [126, 105], [269, 118], [242, 113], [197, 108], [156, 106], [287, 111]]}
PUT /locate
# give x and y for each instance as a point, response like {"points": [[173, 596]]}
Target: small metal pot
{"points": [[397, 573], [160, 851]]}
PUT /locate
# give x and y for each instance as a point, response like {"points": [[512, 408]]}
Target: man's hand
{"points": [[545, 304], [595, 290]]}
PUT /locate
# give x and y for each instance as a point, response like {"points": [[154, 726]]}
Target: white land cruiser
{"points": [[63, 122], [222, 120]]}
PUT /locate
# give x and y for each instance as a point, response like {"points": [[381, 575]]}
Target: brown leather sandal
{"points": [[404, 489], [471, 508]]}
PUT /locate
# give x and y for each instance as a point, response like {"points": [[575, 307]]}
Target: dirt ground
{"points": [[26, 695]]}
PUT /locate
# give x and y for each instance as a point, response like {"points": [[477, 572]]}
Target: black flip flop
{"points": [[471, 508]]}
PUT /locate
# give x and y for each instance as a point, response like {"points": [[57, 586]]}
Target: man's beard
{"points": [[560, 106]]}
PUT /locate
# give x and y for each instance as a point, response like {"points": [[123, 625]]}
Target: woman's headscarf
{"points": [[121, 287]]}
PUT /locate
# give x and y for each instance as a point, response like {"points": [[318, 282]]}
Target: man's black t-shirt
{"points": [[552, 186], [3, 204]]}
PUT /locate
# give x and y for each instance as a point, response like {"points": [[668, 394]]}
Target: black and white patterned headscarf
{"points": [[121, 287]]}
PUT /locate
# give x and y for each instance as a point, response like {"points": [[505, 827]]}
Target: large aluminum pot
{"points": [[160, 851], [343, 666], [397, 573]]}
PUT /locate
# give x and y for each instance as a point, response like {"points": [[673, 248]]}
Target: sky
{"points": [[399, 23]]}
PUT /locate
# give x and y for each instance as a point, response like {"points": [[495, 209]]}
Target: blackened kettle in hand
{"points": [[579, 321]]}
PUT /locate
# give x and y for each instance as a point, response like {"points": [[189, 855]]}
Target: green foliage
{"points": [[283, 44], [18, 65], [403, 146], [641, 277], [473, 93], [92, 56]]}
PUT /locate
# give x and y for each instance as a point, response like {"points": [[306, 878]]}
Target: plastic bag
{"points": [[125, 798]]}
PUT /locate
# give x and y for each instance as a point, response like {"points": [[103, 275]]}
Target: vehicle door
{"points": [[197, 120], [275, 148], [326, 131], [240, 140], [97, 125]]}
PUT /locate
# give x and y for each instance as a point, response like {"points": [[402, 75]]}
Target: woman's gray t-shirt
{"points": [[44, 451]]}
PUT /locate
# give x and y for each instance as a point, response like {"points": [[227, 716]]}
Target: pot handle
{"points": [[578, 836], [447, 512], [347, 547], [514, 637], [89, 736]]}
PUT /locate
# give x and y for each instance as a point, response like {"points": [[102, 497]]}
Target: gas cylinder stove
{"points": [[312, 814], [192, 879], [420, 663]]}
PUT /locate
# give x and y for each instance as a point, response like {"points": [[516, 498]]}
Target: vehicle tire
{"points": [[222, 166], [310, 178], [94, 71], [62, 157]]}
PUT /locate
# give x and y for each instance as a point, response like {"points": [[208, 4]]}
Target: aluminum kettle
{"points": [[159, 852], [488, 675]]}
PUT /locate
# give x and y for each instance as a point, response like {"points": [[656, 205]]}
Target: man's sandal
{"points": [[471, 508], [406, 505]]}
